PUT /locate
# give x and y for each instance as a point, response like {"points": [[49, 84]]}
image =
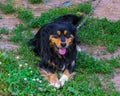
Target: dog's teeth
{"points": [[78, 48]]}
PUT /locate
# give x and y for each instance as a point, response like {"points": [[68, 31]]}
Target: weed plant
{"points": [[0, 36], [7, 8], [101, 32], [85, 7], [4, 30], [24, 14], [35, 1], [1, 17], [20, 33]]}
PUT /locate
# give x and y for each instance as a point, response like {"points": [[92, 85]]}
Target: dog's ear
{"points": [[44, 41], [74, 33], [69, 18], [34, 43], [40, 41]]}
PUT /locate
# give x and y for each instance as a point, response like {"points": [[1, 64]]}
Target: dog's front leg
{"points": [[48, 71], [67, 73]]}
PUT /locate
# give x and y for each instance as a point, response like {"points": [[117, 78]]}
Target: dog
{"points": [[56, 43]]}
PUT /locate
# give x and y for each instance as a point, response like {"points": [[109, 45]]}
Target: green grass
{"points": [[49, 16], [20, 77], [4, 30], [25, 79], [85, 7], [10, 1], [35, 1], [54, 13], [24, 14], [1, 17], [101, 32], [7, 8], [20, 33], [0, 36]]}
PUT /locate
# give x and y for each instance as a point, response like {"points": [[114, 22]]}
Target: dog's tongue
{"points": [[62, 51]]}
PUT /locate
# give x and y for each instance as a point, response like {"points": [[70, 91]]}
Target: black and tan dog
{"points": [[56, 43]]}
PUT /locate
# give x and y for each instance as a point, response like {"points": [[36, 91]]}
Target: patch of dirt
{"points": [[108, 8], [106, 80], [8, 20], [103, 82], [99, 52], [34, 31], [37, 9], [5, 45], [116, 79]]}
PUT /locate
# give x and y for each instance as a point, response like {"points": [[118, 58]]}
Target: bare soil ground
{"points": [[99, 52], [116, 79], [107, 8]]}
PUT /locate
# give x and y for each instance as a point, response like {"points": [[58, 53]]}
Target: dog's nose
{"points": [[63, 44]]}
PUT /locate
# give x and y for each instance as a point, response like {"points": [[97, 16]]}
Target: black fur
{"points": [[41, 46]]}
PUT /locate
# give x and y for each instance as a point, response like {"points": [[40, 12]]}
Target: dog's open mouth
{"points": [[62, 51]]}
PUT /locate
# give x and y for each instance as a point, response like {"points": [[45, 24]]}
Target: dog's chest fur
{"points": [[62, 61]]}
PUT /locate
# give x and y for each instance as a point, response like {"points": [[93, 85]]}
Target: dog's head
{"points": [[62, 38], [58, 36]]}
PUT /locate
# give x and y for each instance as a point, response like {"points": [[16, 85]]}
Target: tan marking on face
{"points": [[66, 72], [55, 41], [65, 32], [59, 33], [69, 40]]}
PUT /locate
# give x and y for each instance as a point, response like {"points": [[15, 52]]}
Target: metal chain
{"points": [[84, 20]]}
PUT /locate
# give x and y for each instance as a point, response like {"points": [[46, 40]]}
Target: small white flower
{"points": [[8, 74], [0, 63], [20, 65], [37, 79], [40, 81], [31, 71], [29, 67], [25, 79], [26, 64], [17, 57], [39, 88], [33, 79]]}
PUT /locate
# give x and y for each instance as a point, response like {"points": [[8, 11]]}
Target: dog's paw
{"points": [[56, 84], [63, 79]]}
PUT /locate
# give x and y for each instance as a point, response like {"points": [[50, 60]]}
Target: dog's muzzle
{"points": [[62, 49]]}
